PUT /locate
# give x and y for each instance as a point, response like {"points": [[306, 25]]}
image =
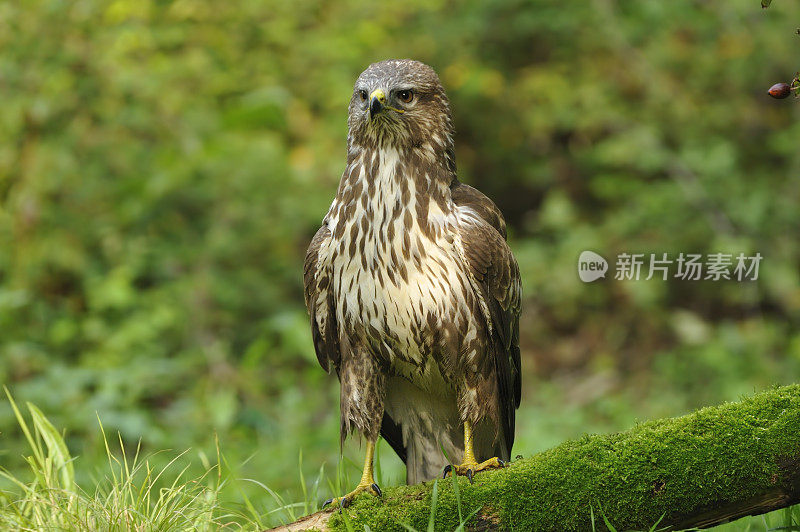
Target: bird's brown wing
{"points": [[465, 195], [320, 304], [496, 273]]}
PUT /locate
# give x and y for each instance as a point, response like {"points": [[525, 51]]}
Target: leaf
{"points": [[434, 501], [56, 448]]}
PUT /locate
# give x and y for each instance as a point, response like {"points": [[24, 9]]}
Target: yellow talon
{"points": [[470, 466], [345, 501], [367, 483]]}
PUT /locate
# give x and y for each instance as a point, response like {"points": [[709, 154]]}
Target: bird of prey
{"points": [[413, 292]]}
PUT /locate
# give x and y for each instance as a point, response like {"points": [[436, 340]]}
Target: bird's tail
{"points": [[429, 452], [426, 432]]}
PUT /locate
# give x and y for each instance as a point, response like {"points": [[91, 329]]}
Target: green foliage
{"points": [[163, 166], [134, 496]]}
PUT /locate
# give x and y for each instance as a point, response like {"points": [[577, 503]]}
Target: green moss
{"points": [[715, 456]]}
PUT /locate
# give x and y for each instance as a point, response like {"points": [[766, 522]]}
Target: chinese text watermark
{"points": [[684, 266]]}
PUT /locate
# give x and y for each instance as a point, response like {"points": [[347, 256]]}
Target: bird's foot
{"points": [[468, 469], [344, 502]]}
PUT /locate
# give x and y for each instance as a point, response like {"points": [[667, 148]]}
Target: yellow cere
{"points": [[381, 96]]}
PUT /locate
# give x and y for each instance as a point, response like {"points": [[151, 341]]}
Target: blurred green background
{"points": [[163, 166]]}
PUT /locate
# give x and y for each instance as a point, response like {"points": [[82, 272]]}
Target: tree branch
{"points": [[709, 467]]}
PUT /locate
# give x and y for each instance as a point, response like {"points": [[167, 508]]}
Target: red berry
{"points": [[780, 90]]}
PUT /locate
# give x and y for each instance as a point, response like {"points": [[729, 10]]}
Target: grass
{"points": [[611, 527], [462, 519], [130, 494]]}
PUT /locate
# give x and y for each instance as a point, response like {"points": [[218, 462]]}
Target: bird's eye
{"points": [[363, 95], [405, 96]]}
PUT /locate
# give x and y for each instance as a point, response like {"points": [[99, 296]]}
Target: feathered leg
{"points": [[363, 390]]}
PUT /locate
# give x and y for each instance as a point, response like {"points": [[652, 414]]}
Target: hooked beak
{"points": [[377, 101]]}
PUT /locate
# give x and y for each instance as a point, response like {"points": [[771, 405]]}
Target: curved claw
{"points": [[471, 468], [346, 500]]}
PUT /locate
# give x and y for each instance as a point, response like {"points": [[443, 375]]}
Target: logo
{"points": [[591, 266], [663, 266]]}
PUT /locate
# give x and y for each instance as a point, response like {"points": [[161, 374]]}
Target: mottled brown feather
{"points": [[496, 270], [316, 283], [485, 208]]}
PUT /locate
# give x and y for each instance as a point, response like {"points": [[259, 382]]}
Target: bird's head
{"points": [[400, 103]]}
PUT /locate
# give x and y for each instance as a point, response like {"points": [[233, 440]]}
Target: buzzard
{"points": [[413, 293]]}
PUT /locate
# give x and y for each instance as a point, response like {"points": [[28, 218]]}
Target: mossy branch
{"points": [[712, 466]]}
